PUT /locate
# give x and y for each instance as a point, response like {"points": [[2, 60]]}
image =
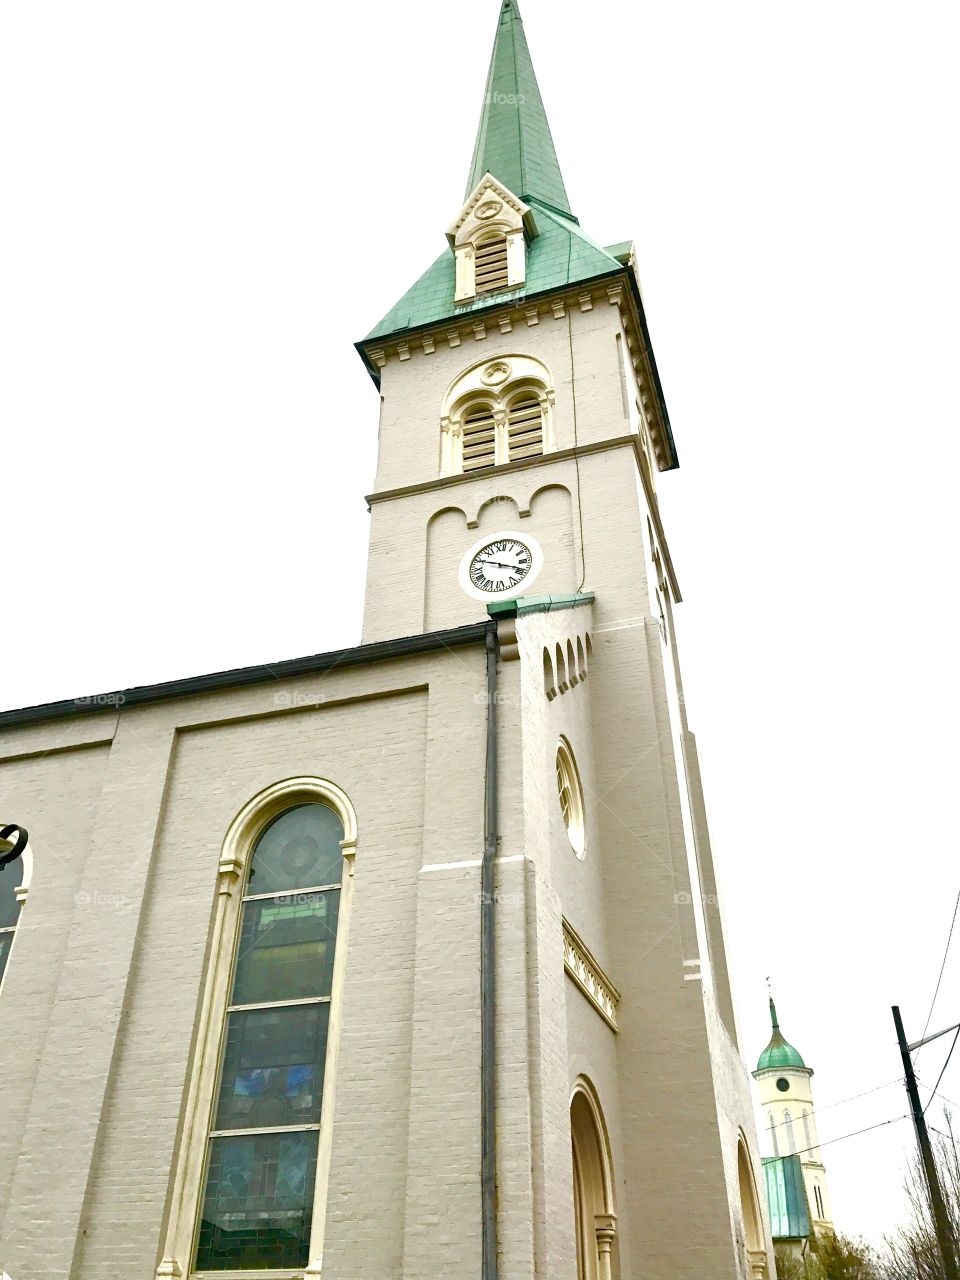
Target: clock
{"points": [[500, 565]]}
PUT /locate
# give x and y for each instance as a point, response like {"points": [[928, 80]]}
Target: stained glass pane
{"points": [[6, 942], [273, 1067], [286, 948], [10, 877], [298, 850], [258, 1203]]}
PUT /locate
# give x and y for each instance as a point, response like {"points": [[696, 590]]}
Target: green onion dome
{"points": [[778, 1052]]}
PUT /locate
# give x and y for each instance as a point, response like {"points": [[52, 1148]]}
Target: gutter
{"points": [[488, 1007]]}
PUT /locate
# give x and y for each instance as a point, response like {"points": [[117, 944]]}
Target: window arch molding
{"points": [[595, 1214], [235, 858], [750, 1211], [486, 396]]}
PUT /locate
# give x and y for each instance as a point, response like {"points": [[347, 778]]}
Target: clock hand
{"points": [[500, 564]]}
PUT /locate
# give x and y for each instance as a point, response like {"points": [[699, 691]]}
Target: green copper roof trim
{"points": [[786, 1198], [778, 1052], [520, 606], [561, 255], [621, 251], [514, 142]]}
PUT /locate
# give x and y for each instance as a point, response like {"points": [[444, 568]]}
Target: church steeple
{"points": [[514, 142]]}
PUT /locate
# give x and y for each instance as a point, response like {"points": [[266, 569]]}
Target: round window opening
{"points": [[570, 793], [783, 1085]]}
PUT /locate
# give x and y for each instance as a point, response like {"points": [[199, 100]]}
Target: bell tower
{"points": [[523, 434], [786, 1097], [519, 392]]}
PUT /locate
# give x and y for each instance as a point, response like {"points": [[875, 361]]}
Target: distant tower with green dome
{"points": [[796, 1181]]}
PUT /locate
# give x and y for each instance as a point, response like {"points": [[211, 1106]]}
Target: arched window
{"points": [[496, 412], [773, 1135], [818, 1198], [570, 793], [791, 1137], [490, 256], [257, 1203], [10, 876], [14, 880], [595, 1218]]}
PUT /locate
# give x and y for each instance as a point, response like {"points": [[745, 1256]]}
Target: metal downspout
{"points": [[488, 1020]]}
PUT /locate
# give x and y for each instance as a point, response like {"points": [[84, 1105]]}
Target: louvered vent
{"points": [[525, 428], [491, 265], [479, 439]]}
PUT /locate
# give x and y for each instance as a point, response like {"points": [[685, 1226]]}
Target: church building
{"points": [[405, 961], [794, 1177]]}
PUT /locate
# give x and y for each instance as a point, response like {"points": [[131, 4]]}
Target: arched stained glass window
{"points": [[10, 877], [261, 1160]]}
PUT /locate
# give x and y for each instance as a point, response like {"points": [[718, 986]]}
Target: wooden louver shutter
{"points": [[479, 439], [491, 265], [525, 428]]}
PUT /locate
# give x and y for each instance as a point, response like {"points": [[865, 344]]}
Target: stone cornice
{"points": [[580, 964]]}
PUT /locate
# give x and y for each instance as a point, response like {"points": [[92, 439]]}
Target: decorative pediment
{"points": [[489, 237], [491, 206]]}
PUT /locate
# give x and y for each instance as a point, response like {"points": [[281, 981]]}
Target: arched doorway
{"points": [[595, 1218], [750, 1209]]}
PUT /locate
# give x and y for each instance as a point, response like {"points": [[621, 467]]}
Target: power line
{"points": [[856, 1133], [940, 1076], [942, 1096], [943, 965], [818, 1111]]}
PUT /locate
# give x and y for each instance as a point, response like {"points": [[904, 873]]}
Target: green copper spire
{"points": [[778, 1052], [513, 140]]}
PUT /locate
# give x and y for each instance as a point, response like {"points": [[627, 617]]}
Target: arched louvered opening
{"points": [[479, 438], [525, 427], [490, 258]]}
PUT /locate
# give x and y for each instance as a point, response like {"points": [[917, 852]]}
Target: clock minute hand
{"points": [[500, 564]]}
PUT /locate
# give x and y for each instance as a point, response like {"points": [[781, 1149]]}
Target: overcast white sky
{"points": [[198, 197]]}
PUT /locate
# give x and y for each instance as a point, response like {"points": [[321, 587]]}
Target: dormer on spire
{"points": [[488, 239]]}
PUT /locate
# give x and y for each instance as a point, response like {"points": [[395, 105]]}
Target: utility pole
{"points": [[941, 1221]]}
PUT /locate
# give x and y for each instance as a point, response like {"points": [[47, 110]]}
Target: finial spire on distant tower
{"points": [[514, 142]]}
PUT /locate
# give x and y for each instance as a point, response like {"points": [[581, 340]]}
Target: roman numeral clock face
{"points": [[500, 566]]}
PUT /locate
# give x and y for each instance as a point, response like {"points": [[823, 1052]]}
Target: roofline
{"points": [[405, 646], [620, 270], [521, 297]]}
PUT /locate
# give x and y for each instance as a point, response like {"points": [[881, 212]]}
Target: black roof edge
{"points": [[621, 269], [405, 646]]}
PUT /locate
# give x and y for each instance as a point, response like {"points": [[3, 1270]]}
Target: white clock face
{"points": [[500, 566]]}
